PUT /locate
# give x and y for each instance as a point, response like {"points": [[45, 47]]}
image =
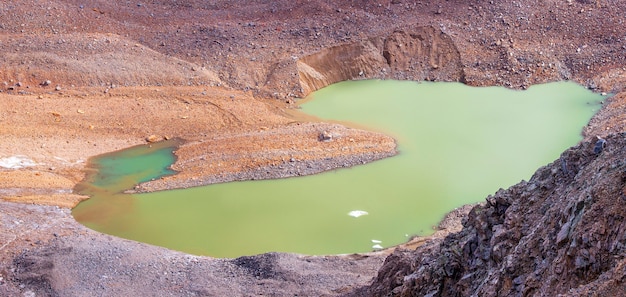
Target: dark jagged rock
{"points": [[561, 233], [600, 145]]}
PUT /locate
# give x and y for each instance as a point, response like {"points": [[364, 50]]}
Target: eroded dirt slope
{"points": [[80, 78], [255, 45]]}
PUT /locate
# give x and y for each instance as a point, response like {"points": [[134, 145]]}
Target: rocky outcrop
{"points": [[561, 233], [412, 53]]}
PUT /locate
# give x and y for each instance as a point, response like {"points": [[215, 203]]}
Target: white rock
{"points": [[16, 162]]}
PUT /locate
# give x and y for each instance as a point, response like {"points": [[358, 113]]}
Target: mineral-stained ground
{"points": [[81, 78]]}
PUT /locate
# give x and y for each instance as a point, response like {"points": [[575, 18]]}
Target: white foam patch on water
{"points": [[357, 213], [16, 162], [377, 245]]}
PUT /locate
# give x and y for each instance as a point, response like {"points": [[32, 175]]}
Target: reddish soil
{"points": [[81, 78]]}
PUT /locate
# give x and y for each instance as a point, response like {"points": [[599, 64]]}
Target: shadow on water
{"points": [[457, 145]]}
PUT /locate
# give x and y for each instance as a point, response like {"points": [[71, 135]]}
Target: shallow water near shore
{"points": [[457, 144]]}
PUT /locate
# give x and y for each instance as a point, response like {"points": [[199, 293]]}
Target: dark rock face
{"points": [[562, 232]]}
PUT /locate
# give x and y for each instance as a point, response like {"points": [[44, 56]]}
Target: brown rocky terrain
{"points": [[81, 78], [560, 233]]}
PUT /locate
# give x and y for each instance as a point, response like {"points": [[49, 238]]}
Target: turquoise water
{"points": [[457, 144], [122, 170]]}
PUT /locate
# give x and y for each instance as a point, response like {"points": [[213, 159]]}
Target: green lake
{"points": [[457, 144]]}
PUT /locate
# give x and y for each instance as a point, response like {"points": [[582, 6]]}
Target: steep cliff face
{"points": [[413, 53], [423, 53], [339, 63], [561, 233]]}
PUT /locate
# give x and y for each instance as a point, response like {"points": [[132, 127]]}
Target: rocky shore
{"points": [[559, 234], [82, 78]]}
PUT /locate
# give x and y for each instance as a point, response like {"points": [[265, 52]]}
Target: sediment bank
{"points": [[85, 79]]}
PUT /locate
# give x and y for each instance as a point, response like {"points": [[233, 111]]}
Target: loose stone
{"points": [[599, 146], [325, 136], [153, 138]]}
